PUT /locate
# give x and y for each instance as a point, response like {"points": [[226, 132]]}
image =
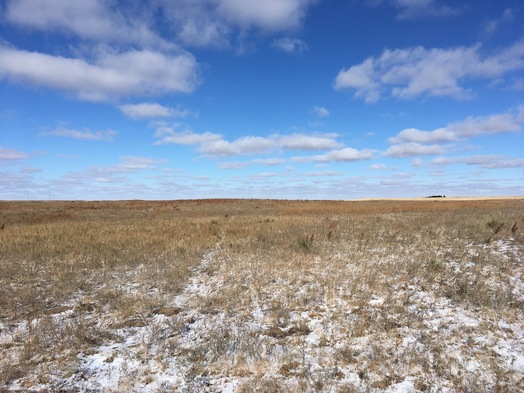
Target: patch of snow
{"points": [[406, 386]]}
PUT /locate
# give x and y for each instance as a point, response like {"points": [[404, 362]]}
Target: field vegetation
{"points": [[262, 296]]}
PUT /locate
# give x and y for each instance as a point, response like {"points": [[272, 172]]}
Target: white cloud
{"points": [[116, 173], [202, 31], [418, 136], [347, 154], [109, 76], [306, 142], [215, 145], [85, 134], [135, 163], [417, 9], [477, 160], [323, 174], [413, 142], [320, 111], [216, 23], [30, 170], [377, 167], [290, 45], [508, 15], [197, 23], [417, 162], [519, 84], [170, 136], [233, 165], [414, 149], [269, 161], [273, 15], [241, 146], [151, 110], [264, 175], [505, 163], [408, 73], [414, 9], [468, 128], [11, 154], [484, 161], [96, 20]]}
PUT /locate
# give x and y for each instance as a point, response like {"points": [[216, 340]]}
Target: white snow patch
{"points": [[406, 386]]}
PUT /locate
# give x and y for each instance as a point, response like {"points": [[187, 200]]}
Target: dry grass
{"points": [[291, 295]]}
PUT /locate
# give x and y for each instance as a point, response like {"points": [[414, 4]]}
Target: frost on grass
{"points": [[378, 305]]}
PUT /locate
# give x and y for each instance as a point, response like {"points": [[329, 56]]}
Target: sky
{"points": [[283, 99]]}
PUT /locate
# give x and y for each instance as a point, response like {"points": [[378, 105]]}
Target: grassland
{"points": [[262, 296]]}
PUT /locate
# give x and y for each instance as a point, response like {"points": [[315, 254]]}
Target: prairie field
{"points": [[422, 295]]}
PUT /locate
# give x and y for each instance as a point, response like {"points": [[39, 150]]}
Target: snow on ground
{"points": [[206, 349]]}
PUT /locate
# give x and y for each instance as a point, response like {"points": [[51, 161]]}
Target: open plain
{"points": [[421, 295]]}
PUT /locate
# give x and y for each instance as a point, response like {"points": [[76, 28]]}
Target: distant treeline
{"points": [[436, 196]]}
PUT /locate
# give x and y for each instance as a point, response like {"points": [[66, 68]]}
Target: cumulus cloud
{"points": [[415, 142], [468, 128], [320, 111], [415, 9], [11, 154], [195, 22], [96, 20], [483, 161], [417, 136], [300, 141], [260, 145], [270, 161], [273, 15], [290, 45], [168, 135], [105, 174], [505, 163], [323, 174], [135, 163], [233, 165], [216, 22], [85, 134], [347, 154], [110, 76], [408, 73], [414, 149], [102, 67], [212, 144], [274, 161], [241, 146], [203, 31], [151, 110]]}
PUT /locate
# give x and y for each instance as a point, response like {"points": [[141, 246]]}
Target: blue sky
{"points": [[298, 99]]}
